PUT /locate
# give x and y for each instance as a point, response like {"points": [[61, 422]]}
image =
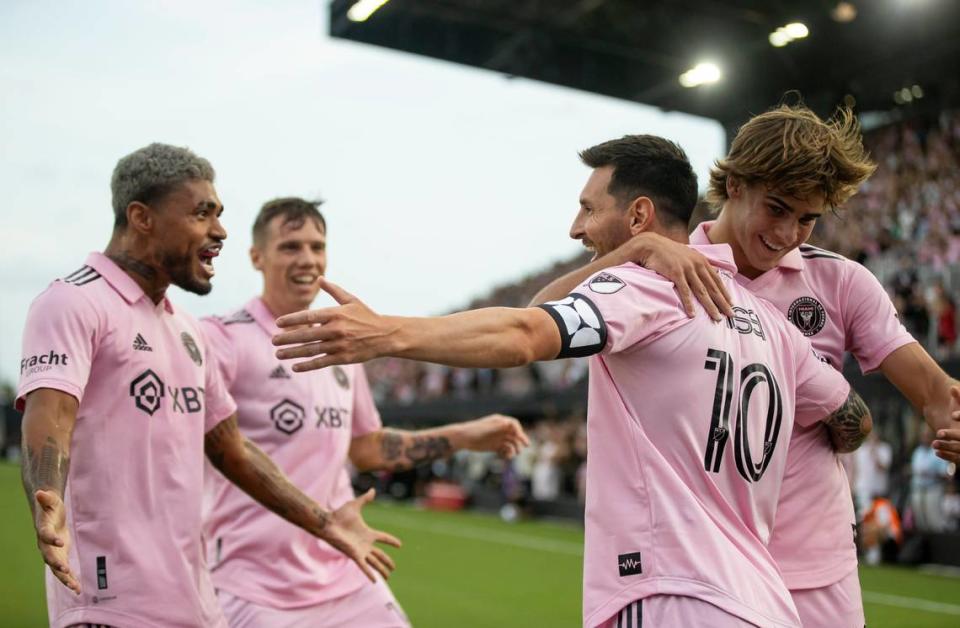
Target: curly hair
{"points": [[148, 174], [792, 151]]}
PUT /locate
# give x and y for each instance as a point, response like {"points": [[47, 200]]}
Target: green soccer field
{"points": [[472, 570]]}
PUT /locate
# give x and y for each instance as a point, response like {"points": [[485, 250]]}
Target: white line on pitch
{"points": [[910, 602]]}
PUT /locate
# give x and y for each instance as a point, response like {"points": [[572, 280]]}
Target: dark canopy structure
{"points": [[637, 49]]}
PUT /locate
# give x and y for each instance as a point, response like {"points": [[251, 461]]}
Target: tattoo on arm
{"points": [[403, 450], [259, 476], [45, 470], [850, 424]]}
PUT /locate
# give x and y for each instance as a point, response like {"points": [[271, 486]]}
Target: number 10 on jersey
{"points": [[751, 376]]}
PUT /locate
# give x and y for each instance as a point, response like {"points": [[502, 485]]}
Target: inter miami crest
{"points": [[808, 315], [605, 283], [192, 350]]}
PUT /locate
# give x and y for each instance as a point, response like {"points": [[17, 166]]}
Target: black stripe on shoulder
{"points": [[821, 255], [240, 316], [82, 276]]}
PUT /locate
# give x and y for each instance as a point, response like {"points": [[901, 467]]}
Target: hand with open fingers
{"points": [[947, 445], [345, 334], [496, 432], [53, 537], [348, 532], [689, 270]]}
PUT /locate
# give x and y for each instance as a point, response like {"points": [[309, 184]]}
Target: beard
{"points": [[180, 269]]}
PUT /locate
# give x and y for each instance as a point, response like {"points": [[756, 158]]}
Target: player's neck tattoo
{"points": [[143, 273]]}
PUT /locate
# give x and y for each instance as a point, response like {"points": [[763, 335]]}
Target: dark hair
{"points": [[150, 173], [648, 165], [295, 212]]}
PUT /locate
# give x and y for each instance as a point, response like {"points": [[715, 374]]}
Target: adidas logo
{"points": [[279, 373], [140, 344]]}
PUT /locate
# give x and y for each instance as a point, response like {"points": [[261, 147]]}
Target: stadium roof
{"points": [[636, 50]]}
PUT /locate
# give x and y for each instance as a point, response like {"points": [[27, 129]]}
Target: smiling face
{"points": [[292, 257], [602, 223], [188, 235], [762, 226]]}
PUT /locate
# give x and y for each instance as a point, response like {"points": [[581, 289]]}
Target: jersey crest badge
{"points": [[192, 350], [341, 376], [808, 315], [605, 283]]}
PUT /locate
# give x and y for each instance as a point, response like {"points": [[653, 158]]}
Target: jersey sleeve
{"points": [[871, 321], [220, 349], [59, 343], [821, 389], [366, 417], [615, 310]]}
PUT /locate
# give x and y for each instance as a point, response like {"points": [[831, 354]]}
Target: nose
{"points": [[576, 229], [787, 232], [217, 230]]}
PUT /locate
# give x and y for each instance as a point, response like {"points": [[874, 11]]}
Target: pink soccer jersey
{"points": [[840, 306], [134, 493], [688, 427], [304, 422]]}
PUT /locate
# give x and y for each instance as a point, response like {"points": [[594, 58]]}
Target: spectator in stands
{"points": [[881, 529], [872, 469], [928, 475]]}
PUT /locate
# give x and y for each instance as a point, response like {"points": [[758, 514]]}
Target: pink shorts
{"points": [[839, 605], [371, 606], [674, 610]]}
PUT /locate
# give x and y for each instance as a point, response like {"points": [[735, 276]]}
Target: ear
{"points": [[643, 214], [141, 217], [256, 258], [734, 186]]}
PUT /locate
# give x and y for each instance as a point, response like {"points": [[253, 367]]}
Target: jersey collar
{"points": [[790, 261], [120, 281], [262, 315]]}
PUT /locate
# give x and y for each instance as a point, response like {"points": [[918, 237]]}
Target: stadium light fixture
{"points": [[789, 33], [704, 73], [844, 12], [363, 9]]}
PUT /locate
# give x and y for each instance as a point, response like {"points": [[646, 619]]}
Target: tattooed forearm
{"points": [[403, 450], [245, 464], [46, 469], [850, 424]]}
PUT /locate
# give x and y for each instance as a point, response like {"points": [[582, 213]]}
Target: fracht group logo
{"points": [[42, 362]]}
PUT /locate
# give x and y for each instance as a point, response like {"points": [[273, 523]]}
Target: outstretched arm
{"points": [[352, 332], [932, 392], [689, 271], [850, 425], [245, 464], [398, 450], [48, 419]]}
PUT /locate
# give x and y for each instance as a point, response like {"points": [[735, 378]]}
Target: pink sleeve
{"points": [[366, 417], [220, 349], [220, 404], [821, 389], [872, 325], [59, 342]]}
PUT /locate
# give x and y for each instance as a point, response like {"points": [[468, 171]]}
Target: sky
{"points": [[440, 181]]}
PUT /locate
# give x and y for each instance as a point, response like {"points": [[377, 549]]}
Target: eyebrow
{"points": [[209, 205], [785, 205]]}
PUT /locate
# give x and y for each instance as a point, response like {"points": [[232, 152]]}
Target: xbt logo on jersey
{"points": [[289, 416], [148, 392]]}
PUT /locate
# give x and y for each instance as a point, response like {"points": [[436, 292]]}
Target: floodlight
{"points": [[363, 9]]}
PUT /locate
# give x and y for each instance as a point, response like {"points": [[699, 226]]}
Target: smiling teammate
{"points": [[268, 573]]}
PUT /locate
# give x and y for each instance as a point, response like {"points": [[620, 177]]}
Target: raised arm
{"points": [[490, 337], [398, 450], [850, 425], [924, 384], [48, 419], [689, 271], [245, 464]]}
